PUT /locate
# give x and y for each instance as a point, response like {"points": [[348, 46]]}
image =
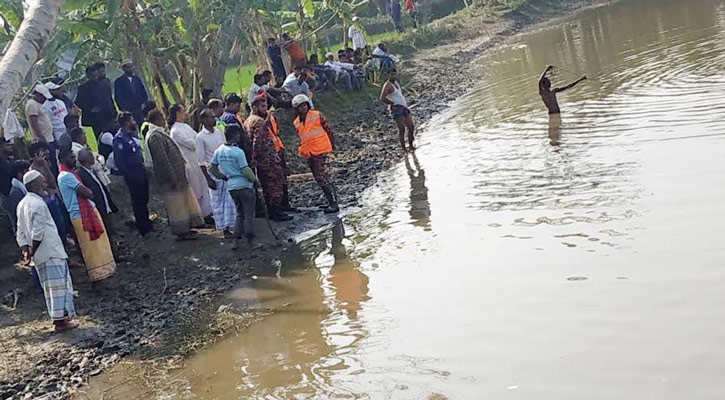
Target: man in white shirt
{"points": [[357, 38], [56, 110], [257, 87], [345, 71], [385, 60], [207, 141], [40, 244], [39, 122], [296, 83]]}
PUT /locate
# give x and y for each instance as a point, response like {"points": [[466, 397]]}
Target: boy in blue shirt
{"points": [[230, 164]]}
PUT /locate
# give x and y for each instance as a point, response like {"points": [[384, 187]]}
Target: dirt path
{"points": [[162, 301]]}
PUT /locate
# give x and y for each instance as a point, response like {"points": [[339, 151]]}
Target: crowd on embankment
{"points": [[220, 162]]}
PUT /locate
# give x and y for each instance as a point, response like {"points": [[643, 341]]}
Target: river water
{"points": [[499, 262]]}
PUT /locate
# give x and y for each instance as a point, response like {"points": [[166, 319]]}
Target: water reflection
{"points": [[349, 283], [308, 336], [492, 302], [419, 204]]}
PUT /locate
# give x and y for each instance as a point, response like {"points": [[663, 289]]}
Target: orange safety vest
{"points": [[313, 138], [274, 133]]}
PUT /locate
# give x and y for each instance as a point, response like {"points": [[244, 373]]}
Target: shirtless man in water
{"points": [[548, 95]]}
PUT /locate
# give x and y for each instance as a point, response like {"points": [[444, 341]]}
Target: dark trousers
{"points": [[138, 186], [53, 158], [244, 201], [318, 166], [272, 178]]}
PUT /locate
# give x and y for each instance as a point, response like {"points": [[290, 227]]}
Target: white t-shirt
{"points": [[32, 108], [379, 52], [56, 111], [254, 90], [339, 66], [357, 38]]}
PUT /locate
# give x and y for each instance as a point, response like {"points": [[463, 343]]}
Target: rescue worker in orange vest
{"points": [[316, 143], [273, 128], [266, 159]]}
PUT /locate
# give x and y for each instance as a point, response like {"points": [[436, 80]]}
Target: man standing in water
{"points": [[548, 95], [392, 95]]}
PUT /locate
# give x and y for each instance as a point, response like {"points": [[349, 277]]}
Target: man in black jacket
{"points": [[101, 194], [95, 99], [130, 92]]}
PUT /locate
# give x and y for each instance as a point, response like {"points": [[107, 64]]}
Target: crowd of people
{"points": [[220, 162], [208, 162]]}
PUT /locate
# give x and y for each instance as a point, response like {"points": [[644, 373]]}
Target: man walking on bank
{"points": [[392, 95], [316, 142]]}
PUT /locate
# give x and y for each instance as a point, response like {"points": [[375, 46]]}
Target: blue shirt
{"points": [[126, 153], [228, 118], [68, 184], [231, 162]]}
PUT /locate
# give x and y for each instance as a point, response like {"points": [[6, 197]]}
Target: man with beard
{"points": [[130, 92], [266, 159], [95, 99]]}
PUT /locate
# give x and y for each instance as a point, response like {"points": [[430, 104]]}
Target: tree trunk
{"points": [[170, 82], [32, 36]]}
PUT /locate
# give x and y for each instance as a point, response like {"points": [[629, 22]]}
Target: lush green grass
{"points": [[239, 80]]}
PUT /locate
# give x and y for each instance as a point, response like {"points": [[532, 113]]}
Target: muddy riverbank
{"points": [[162, 303]]}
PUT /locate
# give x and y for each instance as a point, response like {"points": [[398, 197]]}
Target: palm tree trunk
{"points": [[30, 40]]}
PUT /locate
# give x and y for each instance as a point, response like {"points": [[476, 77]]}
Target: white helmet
{"points": [[299, 99]]}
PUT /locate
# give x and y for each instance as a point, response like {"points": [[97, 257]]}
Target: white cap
{"points": [[328, 55], [299, 99], [52, 86], [30, 176], [126, 62], [355, 18], [43, 90]]}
